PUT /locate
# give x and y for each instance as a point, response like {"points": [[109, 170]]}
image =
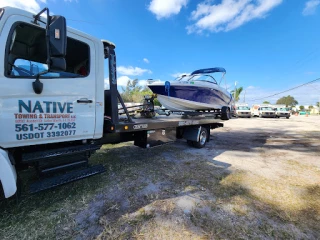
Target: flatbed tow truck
{"points": [[54, 111]]}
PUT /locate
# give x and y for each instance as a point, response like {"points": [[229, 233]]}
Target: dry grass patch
{"points": [[169, 193]]}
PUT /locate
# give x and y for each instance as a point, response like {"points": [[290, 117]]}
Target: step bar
{"points": [[36, 156], [75, 175]]}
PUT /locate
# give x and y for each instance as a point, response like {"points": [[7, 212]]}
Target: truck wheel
{"points": [[203, 136], [225, 113], [287, 117]]}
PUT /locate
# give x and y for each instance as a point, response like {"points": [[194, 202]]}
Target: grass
{"points": [[146, 194]]}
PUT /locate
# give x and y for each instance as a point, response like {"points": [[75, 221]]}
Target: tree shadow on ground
{"points": [[146, 189]]}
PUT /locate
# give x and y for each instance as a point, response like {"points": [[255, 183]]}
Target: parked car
{"points": [[282, 112]]}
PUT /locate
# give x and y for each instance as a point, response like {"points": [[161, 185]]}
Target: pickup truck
{"points": [[266, 112], [282, 112], [54, 110], [243, 111]]}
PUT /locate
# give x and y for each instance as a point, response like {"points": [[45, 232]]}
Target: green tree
{"points": [[130, 91], [288, 101], [238, 92], [318, 104], [135, 93], [301, 107], [310, 107], [266, 102]]}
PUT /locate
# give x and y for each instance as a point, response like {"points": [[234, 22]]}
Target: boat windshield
{"points": [[243, 108], [197, 77]]}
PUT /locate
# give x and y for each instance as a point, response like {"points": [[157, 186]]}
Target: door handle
{"points": [[84, 100]]}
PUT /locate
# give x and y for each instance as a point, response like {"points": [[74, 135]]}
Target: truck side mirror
{"points": [[57, 37]]}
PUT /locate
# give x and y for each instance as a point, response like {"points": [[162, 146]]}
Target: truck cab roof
{"points": [[9, 11]]}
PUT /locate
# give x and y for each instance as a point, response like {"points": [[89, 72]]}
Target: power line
{"points": [[286, 90]]}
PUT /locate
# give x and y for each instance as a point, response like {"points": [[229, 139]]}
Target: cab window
{"points": [[27, 55]]}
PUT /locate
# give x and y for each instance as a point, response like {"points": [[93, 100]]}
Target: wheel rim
{"points": [[203, 137]]}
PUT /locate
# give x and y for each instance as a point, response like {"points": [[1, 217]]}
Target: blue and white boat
{"points": [[195, 92]]}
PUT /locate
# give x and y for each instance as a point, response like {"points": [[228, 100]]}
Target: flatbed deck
{"points": [[161, 121]]}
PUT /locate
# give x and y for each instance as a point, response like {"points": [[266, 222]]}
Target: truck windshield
{"points": [[243, 108], [266, 108]]}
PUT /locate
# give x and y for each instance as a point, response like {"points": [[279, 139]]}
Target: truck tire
{"points": [[225, 113], [203, 136]]}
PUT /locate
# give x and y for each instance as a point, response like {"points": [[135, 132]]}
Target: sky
{"points": [[266, 46]]}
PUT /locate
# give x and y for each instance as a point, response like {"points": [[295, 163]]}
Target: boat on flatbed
{"points": [[198, 91]]}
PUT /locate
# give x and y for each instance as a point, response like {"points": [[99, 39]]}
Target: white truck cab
{"points": [[243, 110], [69, 106], [49, 93]]}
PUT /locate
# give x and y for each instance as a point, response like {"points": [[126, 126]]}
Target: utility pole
{"points": [[244, 97], [235, 89], [318, 105]]}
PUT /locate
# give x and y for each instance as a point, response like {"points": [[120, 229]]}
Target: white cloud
{"points": [[28, 5], [306, 95], [166, 8], [71, 1], [106, 84], [143, 82], [132, 71], [146, 60], [121, 81], [310, 7], [229, 14]]}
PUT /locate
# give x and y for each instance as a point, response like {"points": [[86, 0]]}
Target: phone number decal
{"points": [[31, 131], [44, 126]]}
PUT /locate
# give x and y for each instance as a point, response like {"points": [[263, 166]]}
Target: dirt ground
{"points": [[256, 178]]}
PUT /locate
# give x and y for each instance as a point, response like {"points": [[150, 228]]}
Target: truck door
{"points": [[65, 110]]}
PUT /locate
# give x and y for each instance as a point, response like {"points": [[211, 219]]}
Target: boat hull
{"points": [[191, 98]]}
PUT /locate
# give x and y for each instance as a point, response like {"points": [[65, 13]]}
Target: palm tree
{"points": [[238, 92]]}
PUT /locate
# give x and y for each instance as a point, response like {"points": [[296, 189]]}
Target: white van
{"points": [[242, 110], [263, 110]]}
